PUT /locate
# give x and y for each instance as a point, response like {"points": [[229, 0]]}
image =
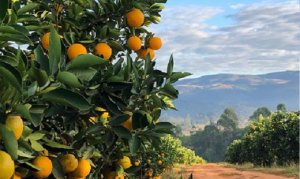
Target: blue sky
{"points": [[245, 37]]}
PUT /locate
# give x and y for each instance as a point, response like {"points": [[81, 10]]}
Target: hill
{"points": [[203, 99]]}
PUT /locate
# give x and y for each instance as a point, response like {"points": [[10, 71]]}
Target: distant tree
{"points": [[281, 107], [228, 119], [178, 131], [265, 112]]}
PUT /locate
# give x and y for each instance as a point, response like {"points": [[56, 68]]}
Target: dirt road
{"points": [[217, 171]]}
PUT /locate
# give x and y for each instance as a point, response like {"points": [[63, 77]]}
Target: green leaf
{"points": [[42, 59], [84, 74], [10, 141], [39, 75], [170, 91], [115, 45], [25, 154], [178, 75], [170, 66], [3, 8], [118, 120], [11, 75], [27, 8], [122, 132], [36, 146], [139, 120], [85, 61], [9, 30], [36, 136], [69, 79], [134, 144], [68, 98], [53, 144], [54, 51], [164, 126], [24, 112], [57, 170]]}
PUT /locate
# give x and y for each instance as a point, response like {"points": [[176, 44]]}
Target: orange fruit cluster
{"points": [[101, 49]]}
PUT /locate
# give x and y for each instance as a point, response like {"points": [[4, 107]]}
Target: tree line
{"points": [[213, 140]]}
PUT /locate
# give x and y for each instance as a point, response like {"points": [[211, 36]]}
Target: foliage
{"points": [[59, 99], [281, 107], [170, 152], [228, 119], [211, 142], [264, 111], [268, 141]]}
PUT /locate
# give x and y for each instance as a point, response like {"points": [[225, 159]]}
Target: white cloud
{"points": [[265, 37]]}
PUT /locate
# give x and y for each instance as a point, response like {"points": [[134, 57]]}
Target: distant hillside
{"points": [[203, 99]]}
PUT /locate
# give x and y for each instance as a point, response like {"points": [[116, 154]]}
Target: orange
{"points": [[148, 161], [104, 50], [128, 124], [157, 177], [105, 115], [149, 173], [137, 163], [135, 18], [125, 162], [83, 169], [16, 176], [134, 43], [76, 49], [159, 162], [69, 163], [45, 166], [113, 175], [7, 165], [155, 43], [45, 41], [142, 53], [15, 124]]}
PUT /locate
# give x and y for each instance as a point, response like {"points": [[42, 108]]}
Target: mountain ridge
{"points": [[204, 98]]}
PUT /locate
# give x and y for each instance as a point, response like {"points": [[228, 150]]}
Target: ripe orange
{"points": [[159, 162], [83, 169], [104, 50], [113, 175], [69, 163], [105, 115], [155, 43], [16, 176], [125, 162], [134, 43], [7, 165], [45, 41], [137, 163], [157, 177], [15, 124], [45, 165], [142, 53], [128, 124], [149, 173], [135, 18], [76, 49]]}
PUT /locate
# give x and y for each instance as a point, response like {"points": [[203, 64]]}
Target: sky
{"points": [[229, 36]]}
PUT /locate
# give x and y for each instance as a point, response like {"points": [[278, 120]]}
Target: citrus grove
{"points": [[79, 93]]}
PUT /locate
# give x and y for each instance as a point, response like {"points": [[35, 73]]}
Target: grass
{"points": [[290, 170]]}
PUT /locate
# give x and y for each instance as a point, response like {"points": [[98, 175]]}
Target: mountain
{"points": [[204, 99]]}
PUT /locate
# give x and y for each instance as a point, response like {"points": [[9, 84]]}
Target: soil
{"points": [[218, 171]]}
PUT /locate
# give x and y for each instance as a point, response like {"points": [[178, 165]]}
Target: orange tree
{"points": [[73, 101], [155, 161]]}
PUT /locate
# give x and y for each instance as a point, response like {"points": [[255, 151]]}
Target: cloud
{"points": [[264, 37]]}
